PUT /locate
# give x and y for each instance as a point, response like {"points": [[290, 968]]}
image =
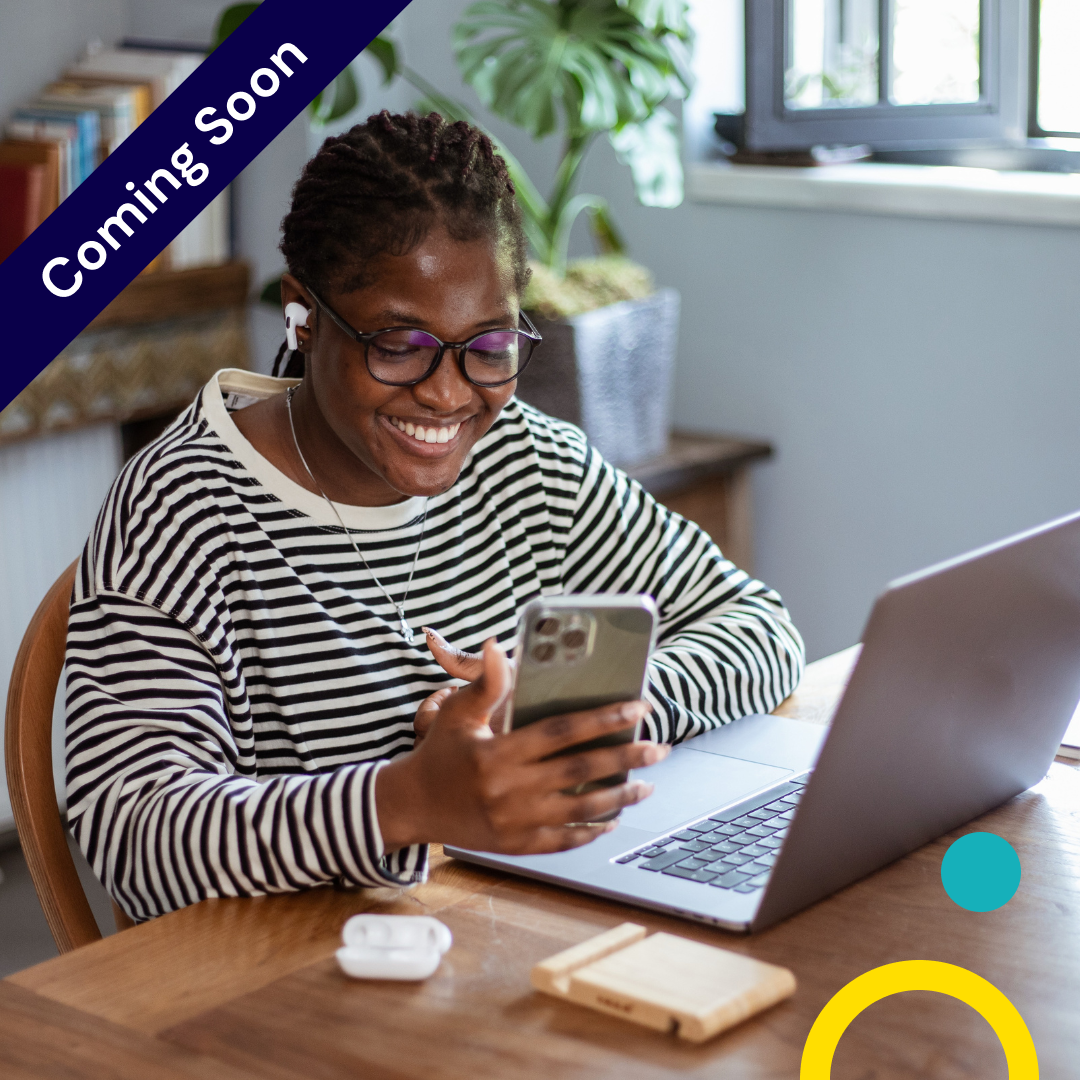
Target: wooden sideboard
{"points": [[146, 355], [706, 478]]}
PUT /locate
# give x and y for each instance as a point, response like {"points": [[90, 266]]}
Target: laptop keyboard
{"points": [[734, 848]]}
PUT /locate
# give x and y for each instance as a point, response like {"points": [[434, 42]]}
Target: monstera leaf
{"points": [[661, 16], [343, 94], [230, 19], [651, 149], [592, 60], [587, 67]]}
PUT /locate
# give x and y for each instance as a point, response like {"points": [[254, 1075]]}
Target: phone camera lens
{"points": [[574, 639], [547, 627], [543, 652]]}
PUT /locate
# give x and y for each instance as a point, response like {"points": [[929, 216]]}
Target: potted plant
{"points": [[588, 68], [585, 69]]}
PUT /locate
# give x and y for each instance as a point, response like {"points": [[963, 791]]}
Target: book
{"points": [[162, 70], [115, 105], [20, 204], [82, 118], [63, 135], [43, 153], [87, 131], [205, 242], [142, 90]]}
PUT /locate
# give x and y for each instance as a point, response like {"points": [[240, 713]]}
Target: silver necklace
{"points": [[405, 629]]}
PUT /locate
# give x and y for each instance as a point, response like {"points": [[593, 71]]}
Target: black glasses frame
{"points": [[461, 347]]}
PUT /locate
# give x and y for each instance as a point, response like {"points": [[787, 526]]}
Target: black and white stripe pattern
{"points": [[235, 677]]}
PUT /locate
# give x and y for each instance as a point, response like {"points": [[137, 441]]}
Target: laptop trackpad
{"points": [[772, 740], [690, 783]]}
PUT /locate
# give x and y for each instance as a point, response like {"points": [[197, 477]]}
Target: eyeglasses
{"points": [[404, 356]]}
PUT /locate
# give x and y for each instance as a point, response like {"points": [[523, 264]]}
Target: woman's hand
{"points": [[458, 665], [462, 785]]}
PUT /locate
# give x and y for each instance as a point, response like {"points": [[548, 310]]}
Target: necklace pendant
{"points": [[406, 629]]}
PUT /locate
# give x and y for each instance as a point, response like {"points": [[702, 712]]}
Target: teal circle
{"points": [[980, 871]]}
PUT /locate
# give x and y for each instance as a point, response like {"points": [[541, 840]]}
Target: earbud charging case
{"points": [[403, 947]]}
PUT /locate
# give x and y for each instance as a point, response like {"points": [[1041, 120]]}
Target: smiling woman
{"points": [[249, 710]]}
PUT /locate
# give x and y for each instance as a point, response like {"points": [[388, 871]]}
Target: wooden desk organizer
{"points": [[664, 982]]}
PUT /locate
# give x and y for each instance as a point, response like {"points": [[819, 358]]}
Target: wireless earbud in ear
{"points": [[295, 315]]}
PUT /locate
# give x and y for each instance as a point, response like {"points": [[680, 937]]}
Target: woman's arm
{"points": [[726, 647], [163, 801], [161, 796]]}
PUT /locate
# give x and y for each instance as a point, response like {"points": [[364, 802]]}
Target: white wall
{"points": [[50, 492], [39, 38]]}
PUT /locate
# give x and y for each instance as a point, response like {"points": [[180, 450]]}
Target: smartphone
{"points": [[582, 652]]}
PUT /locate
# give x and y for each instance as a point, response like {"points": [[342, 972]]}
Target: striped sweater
{"points": [[235, 678]]}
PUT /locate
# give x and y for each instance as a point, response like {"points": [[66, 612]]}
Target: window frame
{"points": [[1001, 115]]}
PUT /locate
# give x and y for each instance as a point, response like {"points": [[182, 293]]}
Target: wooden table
{"points": [[249, 988]]}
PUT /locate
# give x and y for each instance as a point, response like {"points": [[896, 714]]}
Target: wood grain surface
{"points": [[692, 458], [252, 984], [673, 984], [819, 692], [478, 1016], [169, 293], [40, 1040]]}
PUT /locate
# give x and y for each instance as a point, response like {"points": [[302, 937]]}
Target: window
{"points": [[1055, 87], [904, 74]]}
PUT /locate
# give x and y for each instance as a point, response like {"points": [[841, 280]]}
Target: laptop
{"points": [[968, 677]]}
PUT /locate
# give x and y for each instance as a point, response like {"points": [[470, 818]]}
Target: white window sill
{"points": [[925, 191]]}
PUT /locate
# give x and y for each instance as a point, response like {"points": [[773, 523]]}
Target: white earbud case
{"points": [[404, 947]]}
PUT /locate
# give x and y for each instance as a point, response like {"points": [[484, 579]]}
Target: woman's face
{"points": [[452, 289]]}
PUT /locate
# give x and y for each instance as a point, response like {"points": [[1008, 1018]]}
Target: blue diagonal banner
{"points": [[170, 168]]}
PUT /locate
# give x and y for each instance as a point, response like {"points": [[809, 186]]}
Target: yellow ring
{"points": [[882, 982]]}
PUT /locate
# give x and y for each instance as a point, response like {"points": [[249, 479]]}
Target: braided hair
{"points": [[381, 187]]}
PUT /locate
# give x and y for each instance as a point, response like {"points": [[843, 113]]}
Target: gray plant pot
{"points": [[609, 371]]}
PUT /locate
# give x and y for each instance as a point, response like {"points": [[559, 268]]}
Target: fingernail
{"points": [[643, 790], [631, 710], [656, 753], [610, 826]]}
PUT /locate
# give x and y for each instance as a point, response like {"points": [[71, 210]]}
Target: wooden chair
{"points": [[28, 752]]}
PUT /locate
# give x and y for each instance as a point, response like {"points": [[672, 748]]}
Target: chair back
{"points": [[28, 754]]}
